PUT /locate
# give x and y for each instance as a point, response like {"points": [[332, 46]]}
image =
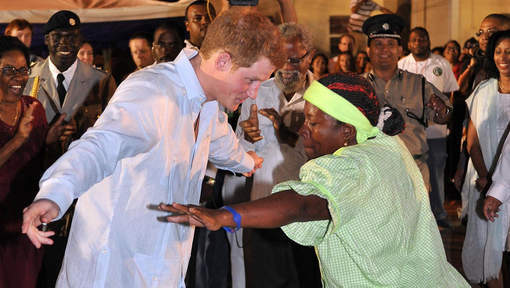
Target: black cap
{"points": [[63, 19], [383, 26]]}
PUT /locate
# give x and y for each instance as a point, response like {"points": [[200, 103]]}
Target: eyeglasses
{"points": [[12, 71], [297, 61], [489, 32]]}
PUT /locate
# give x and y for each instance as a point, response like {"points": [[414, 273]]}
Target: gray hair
{"points": [[290, 31]]}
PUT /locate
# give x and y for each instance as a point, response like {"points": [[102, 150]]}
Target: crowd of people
{"points": [[349, 154]]}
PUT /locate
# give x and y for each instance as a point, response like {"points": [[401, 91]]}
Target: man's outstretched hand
{"points": [[41, 211]]}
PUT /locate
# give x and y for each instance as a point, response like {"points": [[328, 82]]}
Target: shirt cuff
{"points": [[58, 192], [247, 163], [499, 191]]}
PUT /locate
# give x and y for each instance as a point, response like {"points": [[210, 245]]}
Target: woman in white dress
{"points": [[489, 112]]}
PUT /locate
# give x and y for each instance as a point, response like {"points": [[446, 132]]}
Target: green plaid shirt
{"points": [[382, 232]]}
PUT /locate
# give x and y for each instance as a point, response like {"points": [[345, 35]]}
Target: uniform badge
{"points": [[72, 22], [437, 71]]}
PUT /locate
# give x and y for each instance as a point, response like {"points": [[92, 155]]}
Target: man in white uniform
{"points": [[151, 145], [437, 71], [270, 258]]}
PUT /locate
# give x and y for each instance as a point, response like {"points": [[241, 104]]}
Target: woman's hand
{"points": [[25, 124], [491, 208], [193, 215]]}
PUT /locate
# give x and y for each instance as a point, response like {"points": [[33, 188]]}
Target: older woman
{"points": [[361, 200], [489, 113], [23, 132]]}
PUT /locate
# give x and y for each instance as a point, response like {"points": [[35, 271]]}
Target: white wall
{"points": [[453, 19], [444, 19]]}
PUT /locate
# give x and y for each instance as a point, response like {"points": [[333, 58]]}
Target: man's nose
{"points": [[65, 39], [204, 20]]}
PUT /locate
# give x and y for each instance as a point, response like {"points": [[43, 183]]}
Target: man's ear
{"points": [[400, 51], [223, 61], [46, 39], [367, 50]]}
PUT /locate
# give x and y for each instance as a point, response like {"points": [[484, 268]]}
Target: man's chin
{"points": [[230, 107], [287, 88]]}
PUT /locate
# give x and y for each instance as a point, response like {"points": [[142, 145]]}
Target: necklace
{"points": [[17, 115], [503, 89], [18, 112]]}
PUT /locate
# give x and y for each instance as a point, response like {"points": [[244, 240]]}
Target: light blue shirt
{"points": [[141, 151]]}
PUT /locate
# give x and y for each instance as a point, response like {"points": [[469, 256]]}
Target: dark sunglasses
{"points": [[297, 61]]}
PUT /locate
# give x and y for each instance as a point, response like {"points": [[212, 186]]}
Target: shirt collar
{"points": [[189, 45], [413, 60], [399, 74], [187, 73], [68, 74]]}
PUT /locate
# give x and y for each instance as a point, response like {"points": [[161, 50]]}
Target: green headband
{"points": [[339, 108]]}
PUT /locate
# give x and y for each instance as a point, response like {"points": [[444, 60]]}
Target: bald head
{"points": [[167, 43], [490, 24]]}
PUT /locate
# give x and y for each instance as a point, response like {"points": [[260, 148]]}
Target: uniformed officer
{"points": [[416, 99], [63, 84]]}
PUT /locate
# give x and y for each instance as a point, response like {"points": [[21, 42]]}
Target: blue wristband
{"points": [[237, 219]]}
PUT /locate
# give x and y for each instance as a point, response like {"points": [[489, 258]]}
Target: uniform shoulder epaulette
{"points": [[35, 87]]}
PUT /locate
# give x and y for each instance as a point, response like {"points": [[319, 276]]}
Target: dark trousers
{"points": [[437, 164], [271, 259], [209, 265]]}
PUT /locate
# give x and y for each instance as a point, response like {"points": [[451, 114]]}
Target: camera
{"points": [[243, 2]]}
